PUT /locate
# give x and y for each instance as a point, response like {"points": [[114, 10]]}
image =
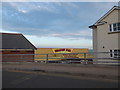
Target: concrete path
{"points": [[93, 71]]}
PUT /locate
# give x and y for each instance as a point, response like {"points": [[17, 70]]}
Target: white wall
{"points": [[102, 37]]}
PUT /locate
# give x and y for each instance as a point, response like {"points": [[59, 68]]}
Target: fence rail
{"points": [[68, 58]]}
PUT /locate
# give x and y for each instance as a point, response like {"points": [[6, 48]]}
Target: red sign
{"points": [[63, 49]]}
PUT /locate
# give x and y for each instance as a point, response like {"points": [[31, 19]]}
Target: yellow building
{"points": [[55, 54]]}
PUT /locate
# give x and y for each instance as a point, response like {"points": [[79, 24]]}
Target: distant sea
{"points": [[90, 50]]}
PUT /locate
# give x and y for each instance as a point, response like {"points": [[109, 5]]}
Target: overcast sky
{"points": [[54, 24]]}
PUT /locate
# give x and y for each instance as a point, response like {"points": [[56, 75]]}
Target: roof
{"points": [[111, 10], [15, 41]]}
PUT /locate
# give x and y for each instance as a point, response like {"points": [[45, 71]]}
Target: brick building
{"points": [[16, 48]]}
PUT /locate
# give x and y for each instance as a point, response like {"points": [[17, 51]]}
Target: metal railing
{"points": [[66, 58]]}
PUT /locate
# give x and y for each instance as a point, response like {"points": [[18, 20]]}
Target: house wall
{"points": [[109, 41], [119, 33], [103, 40], [17, 56]]}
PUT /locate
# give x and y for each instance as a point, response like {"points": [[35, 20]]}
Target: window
{"points": [[114, 27], [115, 53], [111, 54]]}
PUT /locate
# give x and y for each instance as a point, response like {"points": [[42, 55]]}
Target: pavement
{"points": [[92, 71]]}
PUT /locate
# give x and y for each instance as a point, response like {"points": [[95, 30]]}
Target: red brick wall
{"points": [[17, 56], [0, 56]]}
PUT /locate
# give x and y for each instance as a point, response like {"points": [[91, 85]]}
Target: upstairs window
{"points": [[114, 27]]}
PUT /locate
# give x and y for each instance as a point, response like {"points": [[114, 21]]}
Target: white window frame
{"points": [[113, 54], [111, 29]]}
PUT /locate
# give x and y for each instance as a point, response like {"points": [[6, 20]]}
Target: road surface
{"points": [[24, 79]]}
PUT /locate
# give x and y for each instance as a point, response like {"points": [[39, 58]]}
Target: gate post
{"points": [[85, 58], [46, 58]]}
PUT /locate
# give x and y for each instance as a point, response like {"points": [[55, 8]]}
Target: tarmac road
{"points": [[24, 79]]}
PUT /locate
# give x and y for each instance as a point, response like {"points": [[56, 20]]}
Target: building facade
{"points": [[106, 35], [16, 48], [58, 54]]}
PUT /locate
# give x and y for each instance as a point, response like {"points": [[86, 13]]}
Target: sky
{"points": [[53, 24]]}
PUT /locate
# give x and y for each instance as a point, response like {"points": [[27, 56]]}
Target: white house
{"points": [[106, 35]]}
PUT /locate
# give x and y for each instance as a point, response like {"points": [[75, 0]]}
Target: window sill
{"points": [[115, 58], [113, 32]]}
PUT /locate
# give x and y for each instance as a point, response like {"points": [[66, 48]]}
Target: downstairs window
{"points": [[115, 53]]}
